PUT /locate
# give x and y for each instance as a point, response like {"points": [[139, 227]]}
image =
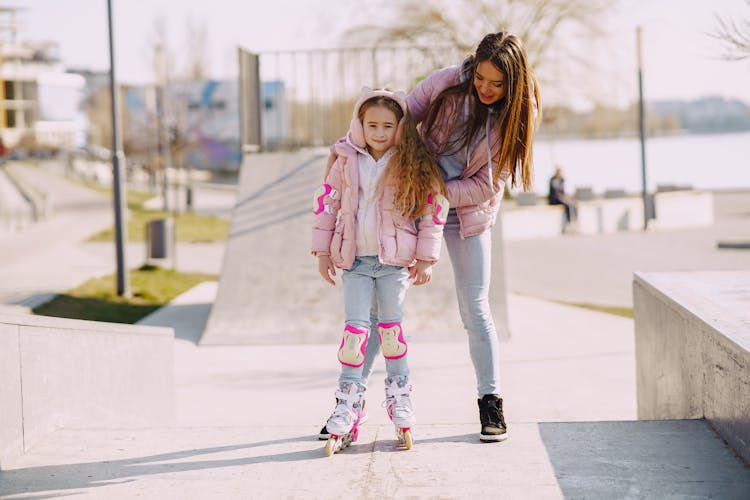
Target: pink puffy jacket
{"points": [[401, 241], [474, 196]]}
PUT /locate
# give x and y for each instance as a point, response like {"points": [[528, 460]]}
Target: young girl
{"points": [[379, 216]]}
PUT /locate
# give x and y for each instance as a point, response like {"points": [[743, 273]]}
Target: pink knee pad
{"points": [[353, 346], [392, 340]]}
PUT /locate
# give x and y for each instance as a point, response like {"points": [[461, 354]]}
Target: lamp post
{"points": [[118, 162], [642, 128]]}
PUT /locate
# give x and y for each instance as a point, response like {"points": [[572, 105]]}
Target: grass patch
{"points": [[625, 312], [97, 300], [189, 227]]}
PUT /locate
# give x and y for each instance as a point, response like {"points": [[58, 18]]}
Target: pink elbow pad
{"points": [[440, 208], [319, 204]]}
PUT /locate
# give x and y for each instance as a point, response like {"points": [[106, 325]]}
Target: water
{"points": [[718, 161]]}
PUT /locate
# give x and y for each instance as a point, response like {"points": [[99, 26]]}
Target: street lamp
{"points": [[642, 130], [118, 161]]}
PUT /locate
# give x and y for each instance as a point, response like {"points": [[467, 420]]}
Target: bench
{"points": [[606, 216], [538, 221], [681, 209]]}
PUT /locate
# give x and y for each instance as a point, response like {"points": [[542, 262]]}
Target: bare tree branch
{"points": [[542, 24], [197, 50], [735, 36], [162, 60]]}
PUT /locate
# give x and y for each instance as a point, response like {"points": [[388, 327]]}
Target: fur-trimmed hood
{"points": [[356, 132]]}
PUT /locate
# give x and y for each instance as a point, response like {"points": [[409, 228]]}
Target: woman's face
{"points": [[379, 124], [489, 82]]}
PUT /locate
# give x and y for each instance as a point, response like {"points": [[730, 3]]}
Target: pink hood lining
{"points": [[357, 133]]}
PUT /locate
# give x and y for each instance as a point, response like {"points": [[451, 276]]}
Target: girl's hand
{"points": [[326, 268], [421, 272]]}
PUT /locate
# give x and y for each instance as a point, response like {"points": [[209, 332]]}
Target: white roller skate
{"points": [[343, 424], [323, 435], [398, 405]]}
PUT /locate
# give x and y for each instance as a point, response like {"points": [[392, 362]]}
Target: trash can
{"points": [[160, 240]]}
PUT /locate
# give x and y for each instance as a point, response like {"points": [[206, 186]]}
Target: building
{"points": [[39, 101]]}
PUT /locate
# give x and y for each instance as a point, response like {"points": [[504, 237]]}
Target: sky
{"points": [[680, 60]]}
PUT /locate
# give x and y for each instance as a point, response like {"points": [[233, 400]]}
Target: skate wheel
{"points": [[330, 446], [408, 440]]}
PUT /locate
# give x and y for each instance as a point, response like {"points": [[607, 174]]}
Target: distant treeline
{"points": [[705, 115]]}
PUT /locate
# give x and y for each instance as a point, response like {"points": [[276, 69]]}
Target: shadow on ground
{"points": [[644, 459]]}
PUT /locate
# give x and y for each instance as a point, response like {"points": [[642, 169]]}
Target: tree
{"points": [[735, 36], [543, 25], [197, 50]]}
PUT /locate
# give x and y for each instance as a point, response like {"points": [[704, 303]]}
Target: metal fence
{"points": [[304, 98]]}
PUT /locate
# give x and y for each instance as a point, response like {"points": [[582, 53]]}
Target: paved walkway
{"points": [[599, 269], [52, 256], [247, 416]]}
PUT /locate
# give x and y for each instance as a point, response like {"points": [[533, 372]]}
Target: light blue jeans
{"points": [[372, 286], [472, 264], [471, 259]]}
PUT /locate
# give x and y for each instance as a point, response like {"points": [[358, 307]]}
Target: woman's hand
{"points": [[326, 268], [421, 272]]}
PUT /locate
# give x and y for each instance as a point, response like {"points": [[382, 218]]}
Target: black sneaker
{"points": [[492, 419], [323, 435]]}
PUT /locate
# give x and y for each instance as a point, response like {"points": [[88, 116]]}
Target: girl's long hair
{"points": [[412, 168], [414, 172], [515, 112]]}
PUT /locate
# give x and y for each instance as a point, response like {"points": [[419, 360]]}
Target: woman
{"points": [[478, 120]]}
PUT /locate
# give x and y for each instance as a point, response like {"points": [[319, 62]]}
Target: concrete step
{"points": [[646, 459]]}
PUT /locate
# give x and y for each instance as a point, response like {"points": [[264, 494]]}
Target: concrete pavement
{"points": [[247, 417], [599, 269], [541, 461]]}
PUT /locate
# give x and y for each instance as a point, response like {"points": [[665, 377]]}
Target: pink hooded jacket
{"points": [[401, 242], [474, 196]]}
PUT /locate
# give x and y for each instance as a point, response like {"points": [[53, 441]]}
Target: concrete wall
{"points": [[674, 210], [679, 209], [692, 332], [540, 221], [610, 216], [58, 372]]}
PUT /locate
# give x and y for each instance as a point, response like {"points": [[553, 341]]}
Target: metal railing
{"points": [[305, 97]]}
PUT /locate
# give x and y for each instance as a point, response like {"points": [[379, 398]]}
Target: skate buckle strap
{"points": [[396, 396], [353, 397], [395, 390]]}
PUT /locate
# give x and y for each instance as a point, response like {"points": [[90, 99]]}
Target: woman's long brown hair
{"points": [[515, 112]]}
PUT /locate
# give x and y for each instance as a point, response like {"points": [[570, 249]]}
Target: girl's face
{"points": [[379, 124], [489, 83]]}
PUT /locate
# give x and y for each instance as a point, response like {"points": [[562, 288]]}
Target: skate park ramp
{"points": [[270, 291]]}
